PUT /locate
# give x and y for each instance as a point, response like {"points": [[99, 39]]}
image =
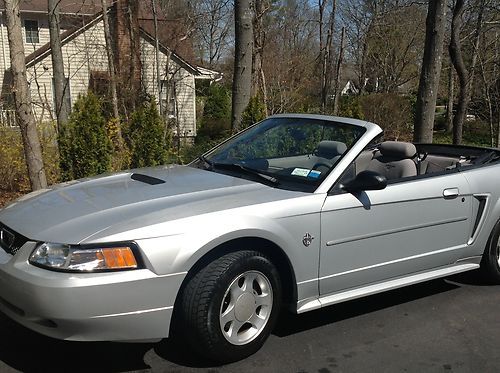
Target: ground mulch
{"points": [[6, 197]]}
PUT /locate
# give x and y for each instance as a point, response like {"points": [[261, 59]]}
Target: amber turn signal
{"points": [[118, 258]]}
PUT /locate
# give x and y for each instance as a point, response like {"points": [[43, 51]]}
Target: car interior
{"points": [[397, 159]]}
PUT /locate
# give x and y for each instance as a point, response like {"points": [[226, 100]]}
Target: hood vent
{"points": [[10, 241], [147, 179]]}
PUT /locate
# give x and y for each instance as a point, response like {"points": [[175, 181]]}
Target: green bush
{"points": [[120, 158], [145, 137], [350, 107], [84, 145], [190, 152], [254, 112], [216, 121]]}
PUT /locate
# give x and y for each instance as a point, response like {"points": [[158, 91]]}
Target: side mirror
{"points": [[365, 180]]}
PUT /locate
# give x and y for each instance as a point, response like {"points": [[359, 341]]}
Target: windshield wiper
{"points": [[209, 165], [239, 167]]}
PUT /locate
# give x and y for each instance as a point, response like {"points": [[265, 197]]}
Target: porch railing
{"points": [[8, 119]]}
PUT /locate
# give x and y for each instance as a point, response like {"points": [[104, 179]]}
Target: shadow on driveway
{"points": [[28, 351]]}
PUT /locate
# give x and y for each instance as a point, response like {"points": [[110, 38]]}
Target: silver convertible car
{"points": [[297, 212]]}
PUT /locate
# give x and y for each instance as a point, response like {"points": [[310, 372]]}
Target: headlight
{"points": [[80, 258]]}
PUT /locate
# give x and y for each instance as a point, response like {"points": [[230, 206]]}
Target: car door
{"points": [[410, 226]]}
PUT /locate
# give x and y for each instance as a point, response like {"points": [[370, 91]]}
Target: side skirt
{"points": [[329, 299]]}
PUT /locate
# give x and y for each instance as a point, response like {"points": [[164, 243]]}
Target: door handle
{"points": [[451, 193]]}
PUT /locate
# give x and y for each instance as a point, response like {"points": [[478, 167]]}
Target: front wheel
{"points": [[490, 263], [230, 307]]}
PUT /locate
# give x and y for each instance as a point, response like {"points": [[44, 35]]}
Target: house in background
{"points": [[86, 64]]}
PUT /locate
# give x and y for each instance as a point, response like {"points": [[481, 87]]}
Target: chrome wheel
{"points": [[246, 307]]}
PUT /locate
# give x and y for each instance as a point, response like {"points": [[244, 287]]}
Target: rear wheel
{"points": [[230, 307], [490, 263]]}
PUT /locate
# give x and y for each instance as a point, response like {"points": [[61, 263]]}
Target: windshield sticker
{"points": [[300, 172], [314, 174]]}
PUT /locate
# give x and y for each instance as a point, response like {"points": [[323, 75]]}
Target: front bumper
{"points": [[114, 306]]}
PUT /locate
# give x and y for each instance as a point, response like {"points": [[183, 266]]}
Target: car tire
{"points": [[229, 308], [490, 263]]}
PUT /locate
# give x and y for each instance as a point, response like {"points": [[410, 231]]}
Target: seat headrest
{"points": [[396, 149], [329, 149]]}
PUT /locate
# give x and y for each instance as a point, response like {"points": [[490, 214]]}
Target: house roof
{"points": [[79, 7], [68, 35], [45, 50], [171, 32], [165, 50]]}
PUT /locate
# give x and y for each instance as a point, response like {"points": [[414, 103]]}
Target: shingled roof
{"points": [[171, 32], [45, 50], [81, 7]]}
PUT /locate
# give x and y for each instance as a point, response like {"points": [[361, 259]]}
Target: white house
{"points": [[85, 63]]}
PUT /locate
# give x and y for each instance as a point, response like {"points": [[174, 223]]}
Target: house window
{"points": [[31, 29], [99, 83]]}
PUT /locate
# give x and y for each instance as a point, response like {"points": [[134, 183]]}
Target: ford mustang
{"points": [[297, 212]]}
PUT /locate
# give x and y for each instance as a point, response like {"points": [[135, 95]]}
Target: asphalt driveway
{"points": [[450, 325]]}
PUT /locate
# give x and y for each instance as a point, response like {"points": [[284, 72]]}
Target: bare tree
{"points": [[22, 98], [61, 89], [125, 26], [213, 20], [290, 56], [431, 71], [242, 76], [111, 59], [462, 73], [157, 55], [451, 97], [465, 78], [261, 7], [325, 46], [338, 73]]}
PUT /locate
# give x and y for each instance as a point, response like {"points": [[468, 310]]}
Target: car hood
{"points": [[75, 211]]}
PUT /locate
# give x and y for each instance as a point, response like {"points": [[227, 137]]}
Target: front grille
{"points": [[11, 241]]}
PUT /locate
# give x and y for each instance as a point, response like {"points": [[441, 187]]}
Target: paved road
{"points": [[448, 325]]}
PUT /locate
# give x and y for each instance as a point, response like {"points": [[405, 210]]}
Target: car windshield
{"points": [[292, 153]]}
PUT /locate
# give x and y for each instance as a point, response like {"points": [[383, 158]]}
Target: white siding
{"points": [[81, 55], [183, 84], [43, 37], [86, 53]]}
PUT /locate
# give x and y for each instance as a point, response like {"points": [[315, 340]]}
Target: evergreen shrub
{"points": [[145, 137], [254, 112], [84, 145], [216, 121]]}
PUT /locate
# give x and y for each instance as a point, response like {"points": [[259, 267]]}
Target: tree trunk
{"points": [[157, 58], [475, 52], [339, 73], [458, 63], [111, 60], [430, 73], [451, 96], [61, 89], [242, 78], [125, 28], [22, 98], [258, 76], [362, 69], [326, 50]]}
